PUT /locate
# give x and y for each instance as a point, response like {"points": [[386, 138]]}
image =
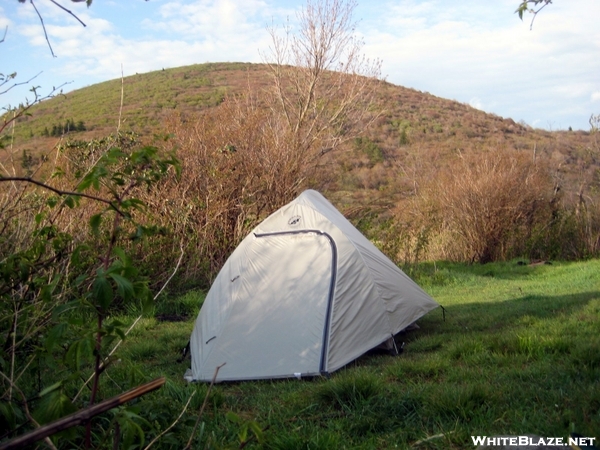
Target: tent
{"points": [[303, 294]]}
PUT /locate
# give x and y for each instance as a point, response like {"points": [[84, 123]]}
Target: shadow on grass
{"points": [[443, 273], [497, 315]]}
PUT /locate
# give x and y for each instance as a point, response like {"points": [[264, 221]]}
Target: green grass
{"points": [[518, 353], [147, 100]]}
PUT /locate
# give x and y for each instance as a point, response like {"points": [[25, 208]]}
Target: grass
{"points": [[518, 353]]}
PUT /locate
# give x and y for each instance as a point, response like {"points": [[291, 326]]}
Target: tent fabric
{"points": [[304, 294]]}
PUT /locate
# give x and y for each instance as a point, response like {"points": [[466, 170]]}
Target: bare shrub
{"points": [[489, 204], [236, 169]]}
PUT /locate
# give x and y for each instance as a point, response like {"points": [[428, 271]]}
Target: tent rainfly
{"points": [[303, 294]]}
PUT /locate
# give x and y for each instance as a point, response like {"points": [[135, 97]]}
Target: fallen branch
{"points": [[81, 416]]}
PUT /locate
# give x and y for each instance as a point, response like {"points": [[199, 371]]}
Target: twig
{"points": [[61, 192], [189, 444], [70, 12], [174, 272], [43, 27], [4, 36], [436, 436], [20, 83], [173, 424], [535, 13], [130, 328], [121, 104], [12, 354], [28, 414]]}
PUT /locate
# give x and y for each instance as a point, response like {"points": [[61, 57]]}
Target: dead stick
{"points": [[81, 416], [214, 378]]}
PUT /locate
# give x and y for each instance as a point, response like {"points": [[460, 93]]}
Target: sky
{"points": [[476, 52]]}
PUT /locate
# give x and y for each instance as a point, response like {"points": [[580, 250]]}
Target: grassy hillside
{"points": [[415, 133], [147, 98]]}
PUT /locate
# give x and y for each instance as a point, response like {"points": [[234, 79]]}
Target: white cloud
{"points": [[596, 96], [471, 52]]}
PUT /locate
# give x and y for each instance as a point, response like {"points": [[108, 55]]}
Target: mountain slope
{"points": [[414, 134]]}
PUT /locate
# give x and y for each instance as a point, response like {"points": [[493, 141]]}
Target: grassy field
{"points": [[517, 353]]}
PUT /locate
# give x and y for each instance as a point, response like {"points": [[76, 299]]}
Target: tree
{"points": [[322, 83]]}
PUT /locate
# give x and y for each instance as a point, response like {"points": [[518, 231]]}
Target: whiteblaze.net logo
{"points": [[573, 442]]}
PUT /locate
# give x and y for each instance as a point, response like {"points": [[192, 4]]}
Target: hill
{"points": [[412, 125], [404, 181]]}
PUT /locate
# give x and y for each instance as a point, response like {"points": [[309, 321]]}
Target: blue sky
{"points": [[473, 51]]}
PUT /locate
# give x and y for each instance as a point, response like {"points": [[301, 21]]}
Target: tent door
{"points": [[318, 271]]}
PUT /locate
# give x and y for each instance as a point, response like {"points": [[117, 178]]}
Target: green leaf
{"points": [[70, 201], [51, 388], [8, 414], [243, 433], [95, 222], [257, 430], [128, 420], [124, 286], [55, 334], [133, 203], [123, 257], [80, 352], [102, 292], [52, 201], [53, 405], [76, 256], [233, 417]]}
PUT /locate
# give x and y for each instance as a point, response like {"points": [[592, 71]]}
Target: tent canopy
{"points": [[303, 294]]}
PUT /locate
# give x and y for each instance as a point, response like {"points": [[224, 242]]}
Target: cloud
{"points": [[176, 34], [473, 54], [596, 96]]}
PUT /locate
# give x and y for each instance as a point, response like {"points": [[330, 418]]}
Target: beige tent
{"points": [[303, 294]]}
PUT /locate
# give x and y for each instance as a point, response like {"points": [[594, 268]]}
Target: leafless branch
{"points": [[70, 12], [535, 13], [43, 27], [17, 84]]}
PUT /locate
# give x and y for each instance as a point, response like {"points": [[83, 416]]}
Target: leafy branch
{"points": [[64, 193], [530, 6]]}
